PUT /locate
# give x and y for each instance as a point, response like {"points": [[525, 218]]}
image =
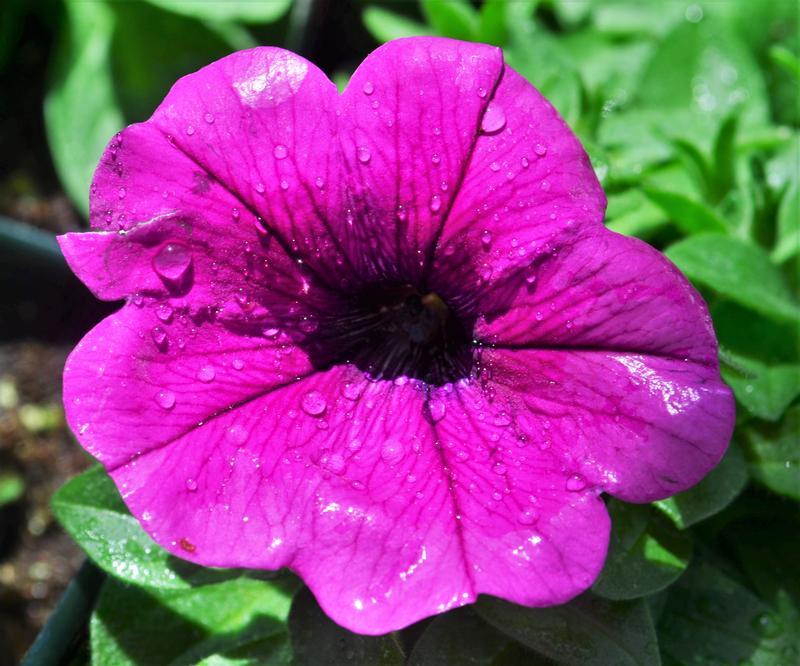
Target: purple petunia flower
{"points": [[383, 337]]}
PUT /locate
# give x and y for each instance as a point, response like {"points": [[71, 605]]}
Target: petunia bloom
{"points": [[382, 338]]}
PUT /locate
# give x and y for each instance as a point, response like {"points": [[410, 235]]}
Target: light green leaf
{"points": [[736, 269], [246, 11], [787, 243], [385, 25], [80, 109], [710, 618], [646, 553], [724, 152], [12, 487], [766, 391], [90, 509], [633, 214], [691, 217], [587, 631], [456, 19], [492, 23], [773, 454], [241, 621], [722, 485], [316, 639]]}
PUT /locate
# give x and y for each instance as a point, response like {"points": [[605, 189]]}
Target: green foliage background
{"points": [[690, 114]]}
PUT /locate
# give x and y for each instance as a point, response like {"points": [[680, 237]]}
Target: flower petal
{"points": [[411, 117], [639, 427]]}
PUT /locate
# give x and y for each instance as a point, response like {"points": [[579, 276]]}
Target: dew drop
{"points": [[334, 463], [314, 403], [494, 166], [172, 261], [206, 374], [165, 399], [528, 516], [280, 151], [237, 364], [494, 119], [525, 163], [270, 332], [364, 156], [320, 182], [481, 92], [164, 312], [402, 215], [368, 88], [540, 149], [392, 451], [354, 445], [191, 485], [436, 410], [435, 203], [284, 185], [209, 118], [352, 390], [121, 192], [235, 214], [499, 468], [236, 434], [260, 187], [436, 158], [486, 239], [576, 483], [159, 335], [190, 130]]}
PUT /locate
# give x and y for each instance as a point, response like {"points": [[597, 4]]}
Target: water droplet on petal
{"points": [[481, 92], [540, 149], [436, 158], [494, 166], [576, 483], [164, 312], [368, 88], [320, 182], [270, 332], [364, 155], [191, 485], [237, 364], [525, 163], [206, 374], [435, 203], [401, 213], [333, 462], [436, 409], [121, 192], [209, 118], [260, 187], [352, 390], [284, 185], [494, 119], [165, 399], [392, 451], [190, 130], [314, 403], [159, 335], [172, 261], [354, 445], [499, 468], [528, 516], [280, 151], [236, 434]]}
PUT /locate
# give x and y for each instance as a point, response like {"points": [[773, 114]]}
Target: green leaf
{"points": [[245, 11], [711, 495], [461, 637], [220, 623], [738, 331], [646, 553], [704, 67], [736, 269], [80, 108], [89, 507], [773, 454], [492, 26], [385, 25], [316, 639], [724, 152], [786, 59], [787, 243], [587, 631], [696, 164], [710, 618], [633, 214], [691, 217], [766, 391], [456, 19]]}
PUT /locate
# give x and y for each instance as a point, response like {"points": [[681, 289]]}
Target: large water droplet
{"points": [[236, 434], [206, 374], [280, 151], [209, 118], [172, 261], [159, 335], [436, 409], [352, 390], [190, 130], [392, 451], [165, 399], [435, 203], [364, 156], [494, 119], [368, 88], [540, 149], [260, 187], [314, 403], [499, 468], [333, 462], [164, 312], [575, 483], [191, 485], [237, 364]]}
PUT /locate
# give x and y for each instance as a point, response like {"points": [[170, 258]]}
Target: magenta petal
{"points": [[639, 427]]}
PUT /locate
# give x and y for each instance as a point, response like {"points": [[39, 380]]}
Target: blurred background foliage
{"points": [[690, 114]]}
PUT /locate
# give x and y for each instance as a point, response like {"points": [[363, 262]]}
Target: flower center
{"points": [[396, 331]]}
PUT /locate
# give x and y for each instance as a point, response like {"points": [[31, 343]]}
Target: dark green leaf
{"points": [[766, 391], [245, 11], [787, 243], [774, 455], [461, 637], [646, 553], [736, 269], [492, 25], [724, 153], [90, 509], [711, 495], [710, 618], [738, 331], [385, 25], [316, 639], [80, 110], [691, 217], [696, 164], [244, 619], [588, 631], [456, 19], [786, 59]]}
